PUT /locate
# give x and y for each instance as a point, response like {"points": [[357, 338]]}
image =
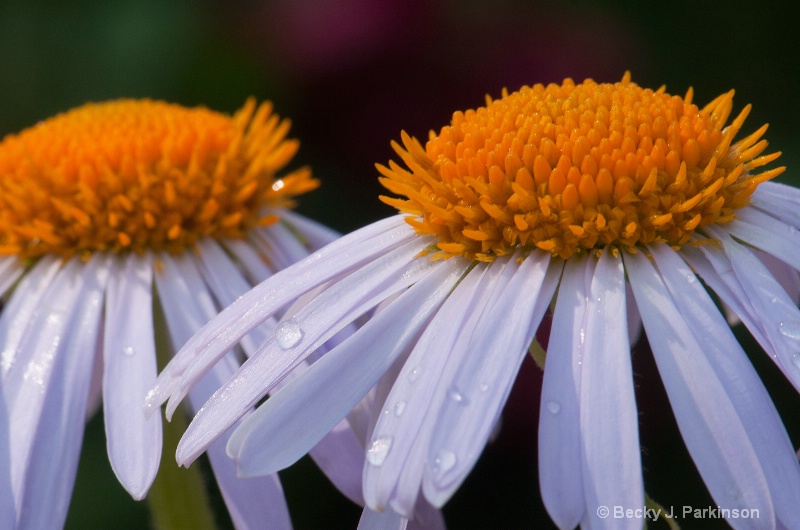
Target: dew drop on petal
{"points": [[414, 373], [399, 407], [288, 334], [554, 407], [790, 329], [376, 454], [128, 350], [796, 360], [484, 387], [445, 461], [455, 394], [691, 278]]}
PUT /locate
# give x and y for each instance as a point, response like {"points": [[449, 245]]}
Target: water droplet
{"points": [[790, 329], [288, 334], [796, 360], [128, 350], [399, 407], [773, 299], [376, 454], [444, 462], [554, 407], [414, 373], [691, 278], [457, 396], [484, 387]]}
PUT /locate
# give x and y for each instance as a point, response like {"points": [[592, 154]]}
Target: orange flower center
{"points": [[570, 168], [136, 175]]}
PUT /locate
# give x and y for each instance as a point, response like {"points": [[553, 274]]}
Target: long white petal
{"points": [[40, 346], [129, 370], [56, 445], [768, 234], [187, 305], [294, 419], [484, 379], [697, 384], [295, 339], [560, 457], [753, 404], [238, 319], [612, 469], [386, 520], [412, 405], [8, 509], [10, 270], [18, 313]]}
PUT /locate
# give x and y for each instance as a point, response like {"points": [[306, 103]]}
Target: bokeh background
{"points": [[352, 74]]}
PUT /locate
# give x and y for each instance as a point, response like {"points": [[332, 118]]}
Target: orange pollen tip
{"points": [[139, 175], [573, 168]]}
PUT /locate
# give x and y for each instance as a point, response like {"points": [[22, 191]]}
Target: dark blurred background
{"points": [[352, 74]]}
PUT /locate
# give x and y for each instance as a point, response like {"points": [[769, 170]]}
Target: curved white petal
{"points": [[612, 469], [560, 468], [279, 246], [753, 404], [10, 271], [312, 326], [226, 329], [413, 403], [768, 234], [187, 304], [699, 385], [129, 370], [18, 313], [40, 346], [484, 379], [8, 510], [294, 419], [385, 520], [56, 445]]}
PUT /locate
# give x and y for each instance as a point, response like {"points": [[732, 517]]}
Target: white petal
{"points": [[484, 379], [612, 469], [279, 246], [753, 404], [17, 314], [294, 419], [787, 276], [10, 270], [255, 268], [56, 445], [8, 510], [386, 520], [340, 455], [412, 405], [768, 234], [129, 370], [40, 347], [238, 319], [698, 385], [560, 468], [227, 284], [317, 235], [187, 305], [308, 329]]}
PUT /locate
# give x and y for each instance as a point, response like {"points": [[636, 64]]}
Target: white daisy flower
{"points": [[606, 202], [116, 218]]}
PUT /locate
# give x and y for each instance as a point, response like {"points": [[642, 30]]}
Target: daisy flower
{"points": [[608, 203], [116, 218]]}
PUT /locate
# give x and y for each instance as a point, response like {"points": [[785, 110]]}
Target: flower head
{"points": [[604, 201], [112, 215]]}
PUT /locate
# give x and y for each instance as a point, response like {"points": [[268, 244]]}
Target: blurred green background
{"points": [[352, 74]]}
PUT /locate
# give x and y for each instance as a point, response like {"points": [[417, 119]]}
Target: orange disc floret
{"points": [[136, 175], [569, 168]]}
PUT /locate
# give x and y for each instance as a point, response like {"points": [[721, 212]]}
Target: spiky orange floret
{"points": [[136, 175], [569, 168]]}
